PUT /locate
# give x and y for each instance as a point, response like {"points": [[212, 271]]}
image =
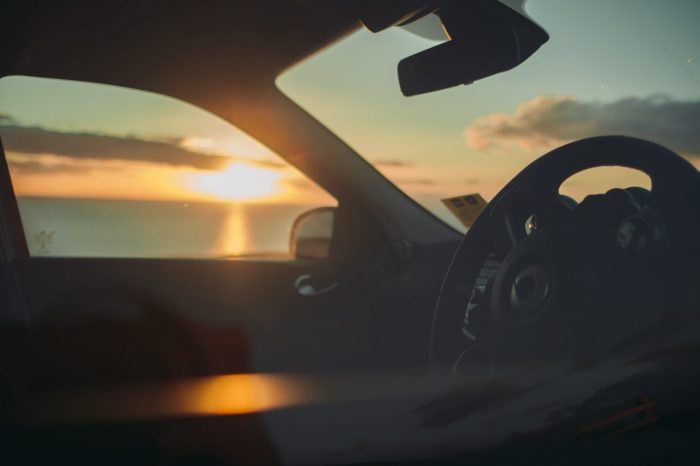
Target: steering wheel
{"points": [[534, 280]]}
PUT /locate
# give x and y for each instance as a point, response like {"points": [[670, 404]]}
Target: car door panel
{"points": [[370, 319]]}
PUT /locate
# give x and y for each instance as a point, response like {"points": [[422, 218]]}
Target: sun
{"points": [[240, 181]]}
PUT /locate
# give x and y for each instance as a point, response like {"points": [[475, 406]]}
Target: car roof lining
{"points": [[157, 43]]}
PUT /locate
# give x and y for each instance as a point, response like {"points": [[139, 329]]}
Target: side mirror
{"points": [[311, 234]]}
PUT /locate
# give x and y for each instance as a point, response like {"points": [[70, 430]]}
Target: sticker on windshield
{"points": [[466, 208]]}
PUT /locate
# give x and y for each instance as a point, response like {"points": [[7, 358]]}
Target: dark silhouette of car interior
{"points": [[594, 302]]}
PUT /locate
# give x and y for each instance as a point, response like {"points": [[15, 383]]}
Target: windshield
{"points": [[596, 75]]}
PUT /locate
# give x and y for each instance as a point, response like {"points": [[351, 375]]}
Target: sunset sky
{"points": [[611, 66], [68, 139]]}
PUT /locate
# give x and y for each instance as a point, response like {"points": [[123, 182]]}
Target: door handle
{"points": [[306, 286]]}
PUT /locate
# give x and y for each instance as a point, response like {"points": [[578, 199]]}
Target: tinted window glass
{"points": [[104, 171]]}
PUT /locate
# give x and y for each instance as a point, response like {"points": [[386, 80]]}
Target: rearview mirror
{"points": [[486, 38], [311, 234]]}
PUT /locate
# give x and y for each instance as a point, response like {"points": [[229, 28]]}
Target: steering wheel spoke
{"points": [[514, 217], [505, 234]]}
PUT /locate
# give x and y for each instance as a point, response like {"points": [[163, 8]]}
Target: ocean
{"points": [[156, 229]]}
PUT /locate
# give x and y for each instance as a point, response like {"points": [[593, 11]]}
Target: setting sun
{"points": [[239, 182]]}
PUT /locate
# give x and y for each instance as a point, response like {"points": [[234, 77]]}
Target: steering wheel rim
{"points": [[538, 183]]}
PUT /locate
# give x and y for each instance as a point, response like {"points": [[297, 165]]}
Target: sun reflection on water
{"points": [[234, 240]]}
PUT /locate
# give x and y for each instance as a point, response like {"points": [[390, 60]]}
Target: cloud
{"points": [[6, 118], [39, 167], [545, 122], [300, 183], [415, 181], [392, 163], [195, 143], [272, 164], [93, 146]]}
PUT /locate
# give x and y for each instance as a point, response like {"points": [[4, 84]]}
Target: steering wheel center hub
{"points": [[525, 283], [529, 290]]}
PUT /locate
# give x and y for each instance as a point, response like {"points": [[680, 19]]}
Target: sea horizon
{"points": [[107, 227]]}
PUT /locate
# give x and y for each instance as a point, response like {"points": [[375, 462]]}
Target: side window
{"points": [[103, 171]]}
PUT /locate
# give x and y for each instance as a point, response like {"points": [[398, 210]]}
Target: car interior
{"points": [[530, 327]]}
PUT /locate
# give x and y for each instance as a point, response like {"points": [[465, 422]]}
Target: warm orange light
{"points": [[225, 395], [240, 181], [206, 396], [238, 394]]}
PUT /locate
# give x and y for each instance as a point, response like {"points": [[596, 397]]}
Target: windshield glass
{"points": [[610, 67]]}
